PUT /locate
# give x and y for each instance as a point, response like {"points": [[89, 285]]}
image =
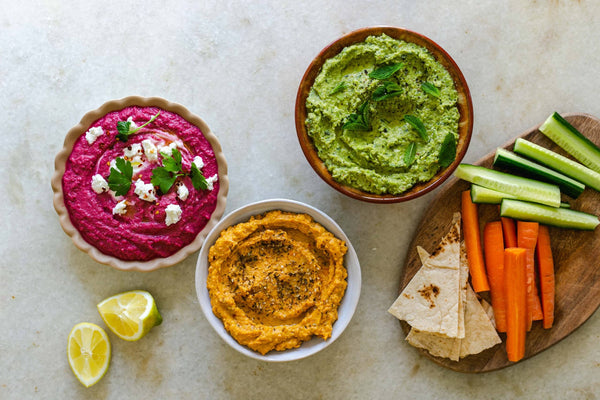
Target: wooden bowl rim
{"points": [[465, 105]]}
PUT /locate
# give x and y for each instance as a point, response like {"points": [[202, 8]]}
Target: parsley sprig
{"points": [[164, 177], [119, 179], [124, 128]]}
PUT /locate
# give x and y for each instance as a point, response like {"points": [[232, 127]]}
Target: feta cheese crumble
{"points": [[168, 150], [210, 181], [198, 162], [145, 191], [93, 133], [120, 208], [150, 150], [173, 214], [182, 192], [132, 125], [99, 184], [133, 151]]}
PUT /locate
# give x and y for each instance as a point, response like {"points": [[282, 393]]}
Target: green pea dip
{"points": [[378, 159]]}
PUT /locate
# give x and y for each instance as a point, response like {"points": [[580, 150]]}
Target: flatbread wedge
{"points": [[430, 301], [480, 333]]}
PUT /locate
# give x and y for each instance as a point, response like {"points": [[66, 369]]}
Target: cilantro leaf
{"points": [[124, 128], [386, 90], [385, 72], [418, 125], [119, 179], [430, 89], [163, 178], [447, 151], [198, 180], [172, 163]]}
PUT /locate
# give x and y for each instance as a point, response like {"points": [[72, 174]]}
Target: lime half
{"points": [[88, 351], [130, 315]]}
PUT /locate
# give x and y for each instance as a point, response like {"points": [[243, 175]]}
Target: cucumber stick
{"points": [[480, 194], [522, 166], [522, 188], [561, 217], [557, 162], [572, 141]]}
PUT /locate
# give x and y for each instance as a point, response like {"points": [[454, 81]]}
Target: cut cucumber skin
{"points": [[560, 217], [483, 195], [557, 162], [571, 140], [522, 188], [520, 165]]}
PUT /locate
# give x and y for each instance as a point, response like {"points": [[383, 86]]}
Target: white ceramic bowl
{"points": [[345, 311]]}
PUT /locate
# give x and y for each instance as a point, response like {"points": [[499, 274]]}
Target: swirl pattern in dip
{"points": [[277, 280]]}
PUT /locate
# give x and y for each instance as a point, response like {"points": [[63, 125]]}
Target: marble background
{"points": [[237, 64]]}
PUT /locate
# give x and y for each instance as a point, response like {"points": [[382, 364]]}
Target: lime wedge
{"points": [[88, 351], [130, 315]]}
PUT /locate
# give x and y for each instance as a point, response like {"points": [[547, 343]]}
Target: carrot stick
{"points": [[515, 276], [493, 250], [546, 267], [510, 232], [473, 243], [527, 233]]}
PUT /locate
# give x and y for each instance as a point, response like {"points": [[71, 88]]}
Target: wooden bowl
{"points": [[465, 107], [81, 128]]}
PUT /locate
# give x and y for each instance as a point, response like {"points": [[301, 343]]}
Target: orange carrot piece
{"points": [[493, 250], [510, 232], [527, 233], [470, 220], [515, 276], [546, 269]]}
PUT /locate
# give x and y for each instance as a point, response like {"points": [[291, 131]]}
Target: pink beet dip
{"points": [[138, 229]]}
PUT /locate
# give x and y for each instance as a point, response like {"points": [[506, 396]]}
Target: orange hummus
{"points": [[277, 280]]}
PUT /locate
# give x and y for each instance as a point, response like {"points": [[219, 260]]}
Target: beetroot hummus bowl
{"points": [[139, 183]]}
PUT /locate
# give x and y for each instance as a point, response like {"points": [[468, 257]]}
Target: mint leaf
{"points": [[198, 180], [447, 151], [172, 163], [163, 178], [341, 86], [430, 89], [385, 91], [124, 128], [385, 72], [119, 179], [359, 121], [409, 154], [417, 125]]}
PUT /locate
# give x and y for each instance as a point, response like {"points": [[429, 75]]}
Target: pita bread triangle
{"points": [[430, 301], [480, 333]]}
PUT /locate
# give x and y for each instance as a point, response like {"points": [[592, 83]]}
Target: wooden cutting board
{"points": [[576, 258]]}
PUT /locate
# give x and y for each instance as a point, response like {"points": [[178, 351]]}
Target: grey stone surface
{"points": [[237, 64]]}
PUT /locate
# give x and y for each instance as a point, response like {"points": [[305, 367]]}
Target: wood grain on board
{"points": [[576, 258]]}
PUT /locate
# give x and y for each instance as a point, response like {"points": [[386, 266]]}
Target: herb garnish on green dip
{"points": [[383, 115]]}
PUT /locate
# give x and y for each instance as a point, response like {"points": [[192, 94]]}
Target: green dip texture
{"points": [[376, 158]]}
